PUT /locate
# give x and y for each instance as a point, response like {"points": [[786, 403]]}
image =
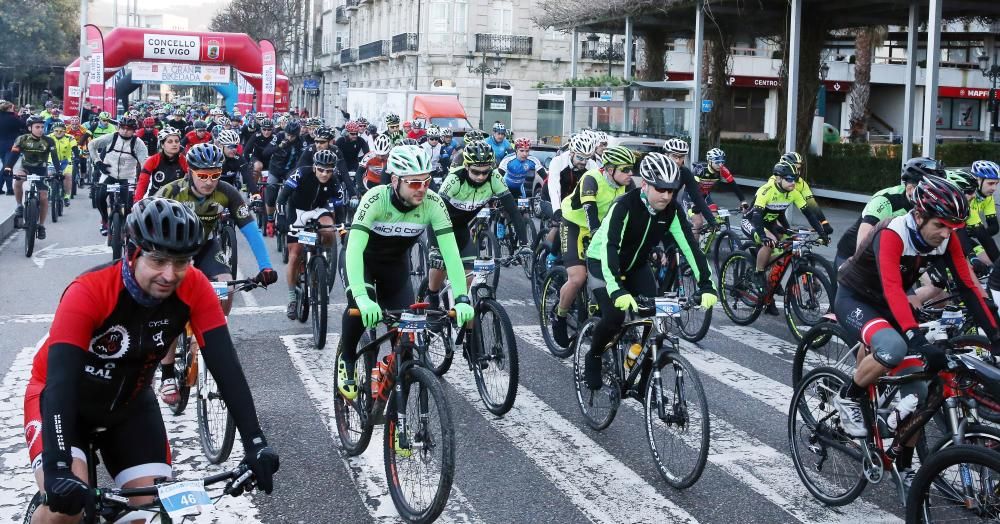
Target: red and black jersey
{"points": [[158, 171], [192, 139], [888, 263], [124, 340]]}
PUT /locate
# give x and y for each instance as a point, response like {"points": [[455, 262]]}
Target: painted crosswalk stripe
{"points": [[760, 467], [316, 370], [594, 480], [17, 484]]}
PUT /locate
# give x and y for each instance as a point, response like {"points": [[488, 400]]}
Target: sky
{"points": [[198, 19]]}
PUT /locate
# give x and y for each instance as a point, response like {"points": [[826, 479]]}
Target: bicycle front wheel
{"points": [[808, 296], [960, 483], [216, 428], [554, 282], [319, 298], [30, 225], [495, 363], [183, 362], [740, 297], [116, 235], [420, 447], [227, 242], [693, 320], [677, 422], [826, 344], [600, 406], [353, 417]]}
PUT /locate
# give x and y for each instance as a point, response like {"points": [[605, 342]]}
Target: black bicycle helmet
{"points": [[293, 128], [164, 226], [324, 133], [32, 120], [267, 123], [200, 124], [205, 156], [917, 168], [478, 152], [129, 122], [785, 169], [325, 158]]}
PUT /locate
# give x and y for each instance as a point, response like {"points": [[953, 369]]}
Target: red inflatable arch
{"points": [[128, 44]]}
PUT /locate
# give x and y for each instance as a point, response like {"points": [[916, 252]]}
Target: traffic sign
{"points": [[606, 95], [706, 106]]}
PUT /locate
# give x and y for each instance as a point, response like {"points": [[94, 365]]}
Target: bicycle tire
{"points": [[827, 382], [342, 263], [227, 242], [439, 351], [302, 297], [182, 367], [496, 359], [798, 300], [349, 423], [608, 397], [282, 241], [319, 299], [30, 225], [55, 206], [209, 398], [814, 347], [820, 262], [684, 374], [332, 264], [396, 464], [975, 434], [539, 270], [687, 286], [928, 479], [33, 505], [115, 235], [733, 292], [554, 280], [489, 247], [417, 262], [532, 232]]}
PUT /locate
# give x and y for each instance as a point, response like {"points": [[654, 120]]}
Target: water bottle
{"points": [[376, 380], [904, 408], [384, 369], [633, 354], [501, 230], [550, 260]]}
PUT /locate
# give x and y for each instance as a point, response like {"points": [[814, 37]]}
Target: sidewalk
{"points": [[7, 205]]}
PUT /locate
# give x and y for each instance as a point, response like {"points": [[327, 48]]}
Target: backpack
{"points": [[111, 147]]}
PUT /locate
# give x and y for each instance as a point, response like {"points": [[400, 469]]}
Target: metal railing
{"points": [[503, 44], [376, 49], [404, 42], [600, 50], [352, 4], [341, 15], [349, 55]]}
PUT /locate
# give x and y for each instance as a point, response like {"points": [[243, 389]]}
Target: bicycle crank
{"points": [[872, 464]]}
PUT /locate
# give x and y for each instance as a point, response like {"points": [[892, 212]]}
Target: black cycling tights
{"points": [[393, 291], [639, 282]]}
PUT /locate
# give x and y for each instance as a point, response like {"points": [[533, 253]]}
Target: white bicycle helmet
{"points": [[583, 144], [676, 146], [228, 137], [168, 131], [716, 155], [658, 170], [600, 137], [408, 160], [382, 144]]}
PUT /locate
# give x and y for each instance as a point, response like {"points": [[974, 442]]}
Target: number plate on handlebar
{"points": [[221, 290], [667, 307], [483, 213], [112, 188], [523, 204], [180, 499], [723, 213], [34, 178], [797, 244], [412, 323], [307, 238], [951, 318], [484, 265]]}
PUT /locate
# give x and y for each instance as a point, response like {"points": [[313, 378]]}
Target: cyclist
{"points": [[372, 169], [766, 223], [803, 188], [888, 203], [177, 120], [198, 135], [677, 150], [447, 147], [520, 168], [389, 220], [236, 170], [466, 190], [118, 158], [618, 256], [498, 141], [983, 224], [351, 147], [284, 151], [433, 148], [248, 131], [163, 167], [35, 148], [102, 126], [872, 305], [582, 212], [255, 149], [320, 191], [706, 176], [111, 323], [82, 137], [148, 133], [392, 128], [68, 151], [322, 139]]}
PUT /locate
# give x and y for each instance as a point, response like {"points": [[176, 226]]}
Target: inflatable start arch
{"points": [[254, 63]]}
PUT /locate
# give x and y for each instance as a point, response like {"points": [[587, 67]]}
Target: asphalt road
{"points": [[540, 463]]}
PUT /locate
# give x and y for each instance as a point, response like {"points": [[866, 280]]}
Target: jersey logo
{"points": [[113, 343], [243, 212], [100, 372], [32, 432], [159, 177]]}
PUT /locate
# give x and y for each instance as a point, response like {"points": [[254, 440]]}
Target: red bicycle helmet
{"points": [[352, 127], [148, 121], [522, 143], [936, 197]]}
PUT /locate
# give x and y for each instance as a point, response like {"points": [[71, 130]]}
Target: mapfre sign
{"points": [[182, 47]]}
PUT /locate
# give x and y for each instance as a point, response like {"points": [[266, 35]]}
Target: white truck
{"points": [[440, 108]]}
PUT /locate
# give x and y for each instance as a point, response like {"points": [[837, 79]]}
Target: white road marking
{"points": [[763, 469], [13, 236], [50, 252], [248, 298], [316, 370]]}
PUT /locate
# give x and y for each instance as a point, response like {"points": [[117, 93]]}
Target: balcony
{"points": [[352, 4], [342, 17], [600, 51], [503, 44], [349, 55], [372, 50], [404, 42]]}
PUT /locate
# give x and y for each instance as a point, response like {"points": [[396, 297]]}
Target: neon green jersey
{"points": [[593, 187]]}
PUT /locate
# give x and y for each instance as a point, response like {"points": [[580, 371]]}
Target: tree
{"points": [[865, 40], [37, 39], [279, 21]]}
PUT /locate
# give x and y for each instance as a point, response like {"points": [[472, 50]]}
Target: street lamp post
{"points": [[824, 71], [992, 72], [483, 67]]}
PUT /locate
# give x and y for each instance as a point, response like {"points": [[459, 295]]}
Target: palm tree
{"points": [[865, 41]]}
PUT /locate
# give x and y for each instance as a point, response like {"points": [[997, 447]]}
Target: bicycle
{"points": [[312, 290], [961, 482], [400, 393], [676, 276], [818, 437], [227, 241], [482, 232], [545, 257], [173, 501], [659, 377], [492, 357], [121, 204], [216, 428], [56, 193], [720, 241], [808, 291], [32, 209], [582, 308], [507, 240]]}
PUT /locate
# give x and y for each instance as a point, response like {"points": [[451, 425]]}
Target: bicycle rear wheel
{"points": [[227, 243], [826, 344], [55, 205], [554, 281], [677, 422], [494, 362], [597, 406], [354, 427], [808, 296], [438, 352], [319, 299], [182, 366], [30, 225], [960, 483], [116, 235], [216, 429], [420, 456], [739, 295], [693, 320], [828, 461]]}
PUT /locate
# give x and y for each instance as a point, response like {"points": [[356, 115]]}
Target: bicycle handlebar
{"points": [[390, 315]]}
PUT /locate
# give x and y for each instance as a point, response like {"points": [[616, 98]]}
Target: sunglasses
{"points": [[321, 141], [160, 262], [662, 190], [625, 169], [677, 156], [480, 170], [434, 138], [231, 146], [208, 175], [419, 183], [580, 158], [323, 170], [790, 179]]}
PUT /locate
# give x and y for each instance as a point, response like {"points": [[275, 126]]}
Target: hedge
{"points": [[858, 168]]}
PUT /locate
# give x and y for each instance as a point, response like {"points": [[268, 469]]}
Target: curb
{"points": [[7, 227]]}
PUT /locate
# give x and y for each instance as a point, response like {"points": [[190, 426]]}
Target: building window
{"points": [[461, 16], [746, 114], [960, 114], [502, 18], [552, 34], [444, 82], [437, 24]]}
